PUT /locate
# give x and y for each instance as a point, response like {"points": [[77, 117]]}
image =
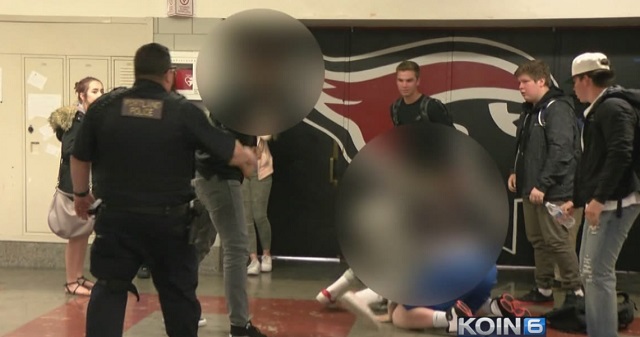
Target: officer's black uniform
{"points": [[141, 142]]}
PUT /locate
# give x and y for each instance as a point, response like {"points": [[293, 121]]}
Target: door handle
{"points": [[332, 179], [332, 165]]}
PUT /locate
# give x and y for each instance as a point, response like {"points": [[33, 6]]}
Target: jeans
{"points": [[598, 255], [223, 200], [256, 200]]}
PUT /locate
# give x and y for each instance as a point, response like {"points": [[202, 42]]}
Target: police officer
{"points": [[139, 144]]}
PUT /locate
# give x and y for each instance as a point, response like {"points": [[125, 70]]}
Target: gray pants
{"points": [[552, 244], [598, 256], [256, 200], [223, 200]]}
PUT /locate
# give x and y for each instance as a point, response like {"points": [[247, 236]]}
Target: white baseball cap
{"points": [[589, 62]]}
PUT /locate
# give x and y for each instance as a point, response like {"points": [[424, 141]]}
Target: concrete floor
{"points": [[33, 304]]}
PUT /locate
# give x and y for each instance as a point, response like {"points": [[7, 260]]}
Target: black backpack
{"points": [[423, 110], [543, 113], [571, 318]]}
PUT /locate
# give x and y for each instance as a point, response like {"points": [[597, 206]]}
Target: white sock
{"points": [[339, 287], [579, 292], [545, 292], [368, 296], [440, 319], [495, 308]]}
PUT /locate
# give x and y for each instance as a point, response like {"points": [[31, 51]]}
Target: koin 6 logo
{"points": [[502, 326]]}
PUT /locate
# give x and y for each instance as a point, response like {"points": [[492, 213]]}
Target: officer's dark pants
{"points": [[123, 241]]}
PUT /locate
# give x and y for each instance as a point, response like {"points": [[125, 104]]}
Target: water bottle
{"points": [[563, 219]]}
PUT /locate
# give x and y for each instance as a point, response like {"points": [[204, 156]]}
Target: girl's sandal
{"points": [[83, 291], [83, 281]]}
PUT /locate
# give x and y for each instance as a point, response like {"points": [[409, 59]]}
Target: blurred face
{"points": [[407, 83], [530, 89], [95, 90], [580, 85]]}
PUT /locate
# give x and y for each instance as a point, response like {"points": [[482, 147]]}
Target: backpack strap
{"points": [[394, 111], [424, 105], [542, 113]]}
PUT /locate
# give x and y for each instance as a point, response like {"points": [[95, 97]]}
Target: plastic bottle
{"points": [[559, 216]]}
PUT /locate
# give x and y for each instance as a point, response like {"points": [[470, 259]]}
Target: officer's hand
{"points": [[244, 158], [82, 204]]}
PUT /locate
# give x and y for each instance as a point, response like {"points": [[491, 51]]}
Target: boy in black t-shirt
{"points": [[413, 106]]}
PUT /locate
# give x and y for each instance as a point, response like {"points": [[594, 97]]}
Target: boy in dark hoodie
{"points": [[548, 149], [606, 184]]}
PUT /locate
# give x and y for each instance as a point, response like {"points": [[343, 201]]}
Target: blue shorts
{"points": [[475, 298]]}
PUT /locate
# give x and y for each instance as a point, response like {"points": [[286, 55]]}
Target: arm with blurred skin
{"points": [[80, 173]]}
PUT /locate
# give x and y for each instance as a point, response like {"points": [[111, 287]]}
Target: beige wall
{"points": [[343, 9]]}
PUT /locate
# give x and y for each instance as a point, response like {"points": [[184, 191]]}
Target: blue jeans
{"points": [[223, 200], [598, 255]]}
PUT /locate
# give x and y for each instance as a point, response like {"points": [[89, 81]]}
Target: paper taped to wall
{"points": [[46, 131], [37, 80], [53, 150], [42, 105]]}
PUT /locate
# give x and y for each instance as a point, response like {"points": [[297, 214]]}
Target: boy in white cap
{"points": [[606, 184]]}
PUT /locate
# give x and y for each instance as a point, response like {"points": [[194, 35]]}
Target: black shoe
{"points": [[459, 309], [571, 299], [246, 331], [144, 272], [534, 296]]}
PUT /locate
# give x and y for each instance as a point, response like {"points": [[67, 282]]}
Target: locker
{"points": [[80, 68], [44, 92]]}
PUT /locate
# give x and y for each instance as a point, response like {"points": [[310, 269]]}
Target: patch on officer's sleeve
{"points": [[142, 108]]}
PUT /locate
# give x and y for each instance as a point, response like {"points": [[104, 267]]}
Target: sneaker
{"points": [[381, 307], [460, 309], [254, 268], [247, 331], [325, 298], [266, 264], [144, 272], [201, 322], [359, 308], [571, 299], [509, 307], [534, 296]]}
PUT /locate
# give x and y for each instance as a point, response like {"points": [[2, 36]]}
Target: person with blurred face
{"points": [[547, 153]]}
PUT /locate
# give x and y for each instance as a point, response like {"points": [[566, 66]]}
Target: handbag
{"points": [[63, 220]]}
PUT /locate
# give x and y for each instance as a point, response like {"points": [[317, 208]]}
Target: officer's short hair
{"points": [[152, 59]]}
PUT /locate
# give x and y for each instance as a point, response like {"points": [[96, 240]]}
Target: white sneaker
{"points": [[266, 264], [201, 322], [254, 268], [358, 307]]}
